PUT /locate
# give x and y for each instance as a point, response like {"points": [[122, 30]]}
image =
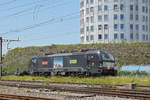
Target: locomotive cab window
{"points": [[107, 56], [34, 61]]}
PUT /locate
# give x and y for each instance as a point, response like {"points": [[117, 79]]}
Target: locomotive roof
{"points": [[75, 53], [66, 54]]}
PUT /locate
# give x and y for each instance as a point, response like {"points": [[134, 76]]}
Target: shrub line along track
{"points": [[125, 93]]}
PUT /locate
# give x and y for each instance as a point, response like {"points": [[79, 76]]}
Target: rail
{"points": [[125, 93], [11, 97]]}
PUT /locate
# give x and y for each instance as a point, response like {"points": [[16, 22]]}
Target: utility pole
{"points": [[0, 57], [8, 42]]}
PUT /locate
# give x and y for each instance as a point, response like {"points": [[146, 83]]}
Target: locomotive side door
{"points": [[92, 60]]}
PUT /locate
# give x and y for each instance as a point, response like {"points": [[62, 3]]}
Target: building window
{"points": [[87, 28], [105, 0], [115, 27], [143, 19], [99, 27], [115, 0], [143, 1], [92, 9], [143, 37], [131, 36], [131, 26], [82, 31], [146, 28], [91, 1], [87, 38], [122, 35], [146, 10], [115, 36], [87, 10], [82, 4], [121, 26], [92, 28], [99, 8], [131, 17], [115, 7], [99, 36], [87, 1], [87, 19], [99, 18], [105, 17], [146, 37], [105, 26], [131, 7], [92, 19], [137, 27], [121, 7], [91, 37], [143, 9], [143, 27], [99, 0], [106, 36], [137, 17], [82, 39], [136, 7], [105, 7], [122, 17], [115, 17]]}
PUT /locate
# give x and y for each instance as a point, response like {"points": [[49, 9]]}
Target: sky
{"points": [[39, 22]]}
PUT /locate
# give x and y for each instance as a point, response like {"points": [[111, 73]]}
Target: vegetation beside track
{"points": [[118, 80], [124, 53]]}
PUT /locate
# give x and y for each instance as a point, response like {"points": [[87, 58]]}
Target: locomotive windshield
{"points": [[107, 56]]}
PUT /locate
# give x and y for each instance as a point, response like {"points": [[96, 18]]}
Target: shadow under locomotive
{"points": [[87, 63]]}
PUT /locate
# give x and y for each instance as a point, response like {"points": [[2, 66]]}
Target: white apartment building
{"points": [[103, 21]]}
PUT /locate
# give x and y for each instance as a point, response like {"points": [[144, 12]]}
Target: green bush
{"points": [[124, 53]]}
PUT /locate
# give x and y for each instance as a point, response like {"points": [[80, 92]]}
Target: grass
{"points": [[144, 80], [124, 53]]}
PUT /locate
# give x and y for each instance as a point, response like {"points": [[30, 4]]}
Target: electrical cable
{"points": [[8, 2], [41, 23]]}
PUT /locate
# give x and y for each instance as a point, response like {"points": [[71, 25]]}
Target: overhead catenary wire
{"points": [[41, 38], [41, 23], [8, 2], [56, 19], [31, 9], [23, 5]]}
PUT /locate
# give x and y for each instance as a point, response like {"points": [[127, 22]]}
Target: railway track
{"points": [[16, 97], [125, 93]]}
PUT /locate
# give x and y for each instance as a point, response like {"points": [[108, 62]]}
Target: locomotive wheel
{"points": [[35, 73], [47, 74], [114, 73], [88, 74]]}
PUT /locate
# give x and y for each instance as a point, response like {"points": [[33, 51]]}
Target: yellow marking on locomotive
{"points": [[73, 61], [104, 62]]}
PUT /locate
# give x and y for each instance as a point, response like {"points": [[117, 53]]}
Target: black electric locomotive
{"points": [[88, 63]]}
